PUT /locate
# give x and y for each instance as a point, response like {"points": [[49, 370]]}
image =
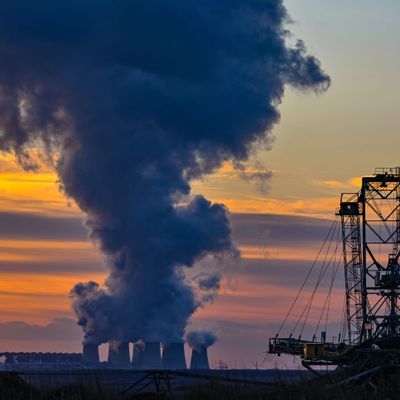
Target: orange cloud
{"points": [[314, 207], [36, 251], [33, 192], [37, 296], [269, 303], [278, 253], [349, 185], [40, 290]]}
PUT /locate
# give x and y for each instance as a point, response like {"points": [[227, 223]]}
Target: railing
{"points": [[387, 171]]}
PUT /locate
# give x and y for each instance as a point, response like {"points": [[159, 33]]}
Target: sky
{"points": [[323, 145]]}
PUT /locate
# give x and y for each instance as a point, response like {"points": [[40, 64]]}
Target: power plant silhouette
{"points": [[147, 356]]}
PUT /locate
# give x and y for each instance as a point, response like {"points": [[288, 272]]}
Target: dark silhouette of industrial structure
{"points": [[368, 227]]}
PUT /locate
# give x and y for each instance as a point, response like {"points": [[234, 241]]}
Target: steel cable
{"points": [[334, 223], [320, 276]]}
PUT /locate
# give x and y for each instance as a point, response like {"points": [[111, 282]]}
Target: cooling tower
{"points": [[137, 356], [173, 356], [199, 358], [90, 353], [152, 356], [118, 354]]}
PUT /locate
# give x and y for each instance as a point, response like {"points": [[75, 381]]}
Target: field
{"points": [[87, 387]]}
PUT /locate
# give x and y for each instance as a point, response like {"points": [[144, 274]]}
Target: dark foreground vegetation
{"points": [[13, 387]]}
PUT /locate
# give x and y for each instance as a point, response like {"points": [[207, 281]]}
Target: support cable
{"points": [[334, 223], [338, 263], [335, 269], [316, 288], [343, 324], [321, 274]]}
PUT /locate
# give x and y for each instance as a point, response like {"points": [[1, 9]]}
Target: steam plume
{"points": [[200, 339], [134, 99]]}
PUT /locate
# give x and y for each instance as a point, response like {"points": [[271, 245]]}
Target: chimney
{"points": [[151, 356], [118, 354], [199, 358], [173, 356], [137, 355], [90, 353]]}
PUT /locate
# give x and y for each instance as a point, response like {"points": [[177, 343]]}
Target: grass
{"points": [[14, 388]]}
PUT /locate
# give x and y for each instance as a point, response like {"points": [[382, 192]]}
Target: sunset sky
{"points": [[323, 145]]}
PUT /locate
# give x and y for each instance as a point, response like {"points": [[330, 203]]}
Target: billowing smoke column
{"points": [[199, 342], [131, 100], [173, 356]]}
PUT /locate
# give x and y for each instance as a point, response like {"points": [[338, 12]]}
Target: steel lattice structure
{"points": [[371, 246], [370, 226], [350, 212]]}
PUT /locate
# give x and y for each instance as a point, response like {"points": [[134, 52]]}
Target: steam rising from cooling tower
{"points": [[132, 101], [200, 338], [200, 341]]}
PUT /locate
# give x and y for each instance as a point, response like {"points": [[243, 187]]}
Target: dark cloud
{"points": [[207, 281], [25, 226], [259, 176], [137, 99], [266, 229], [59, 329], [57, 267], [288, 273], [248, 229]]}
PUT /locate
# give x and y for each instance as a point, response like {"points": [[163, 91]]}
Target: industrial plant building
{"points": [[145, 356]]}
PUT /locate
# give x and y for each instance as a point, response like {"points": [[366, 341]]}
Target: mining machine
{"points": [[368, 231]]}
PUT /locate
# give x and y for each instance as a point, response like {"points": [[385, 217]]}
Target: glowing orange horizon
{"points": [[36, 295]]}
